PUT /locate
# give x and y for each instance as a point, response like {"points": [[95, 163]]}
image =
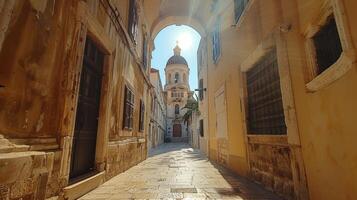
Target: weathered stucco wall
{"points": [[265, 160], [327, 117], [41, 59]]}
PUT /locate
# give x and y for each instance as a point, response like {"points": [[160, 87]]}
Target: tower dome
{"points": [[176, 58]]}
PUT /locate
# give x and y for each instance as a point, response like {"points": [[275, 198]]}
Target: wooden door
{"points": [[86, 125], [177, 130]]}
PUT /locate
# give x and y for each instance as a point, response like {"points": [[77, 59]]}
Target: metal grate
{"points": [[265, 107], [328, 45]]}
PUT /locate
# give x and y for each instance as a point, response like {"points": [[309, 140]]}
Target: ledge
{"points": [[280, 140], [333, 73]]}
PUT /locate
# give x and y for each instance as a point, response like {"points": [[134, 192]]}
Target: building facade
{"points": [[278, 92], [157, 127], [74, 89], [280, 78], [177, 92]]}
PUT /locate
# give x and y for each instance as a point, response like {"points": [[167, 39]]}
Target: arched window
{"points": [[177, 109], [169, 79], [177, 77]]}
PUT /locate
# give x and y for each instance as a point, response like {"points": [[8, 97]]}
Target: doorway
{"points": [[177, 130], [87, 115]]}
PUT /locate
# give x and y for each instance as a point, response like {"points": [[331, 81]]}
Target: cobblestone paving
{"points": [[176, 171]]}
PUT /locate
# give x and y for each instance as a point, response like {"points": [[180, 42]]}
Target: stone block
{"points": [[22, 188], [17, 166]]}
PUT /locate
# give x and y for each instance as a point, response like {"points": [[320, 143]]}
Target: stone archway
{"points": [[162, 22]]}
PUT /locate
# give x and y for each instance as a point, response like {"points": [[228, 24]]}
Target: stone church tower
{"points": [[177, 92]]}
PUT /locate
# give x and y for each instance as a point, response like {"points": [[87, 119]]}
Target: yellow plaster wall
{"points": [[327, 118]]}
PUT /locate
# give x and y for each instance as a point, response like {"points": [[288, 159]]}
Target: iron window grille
{"points": [[328, 45], [265, 105], [133, 20], [239, 6], [128, 109], [141, 116]]}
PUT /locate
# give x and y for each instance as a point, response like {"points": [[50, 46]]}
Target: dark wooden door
{"points": [[177, 130], [85, 134]]}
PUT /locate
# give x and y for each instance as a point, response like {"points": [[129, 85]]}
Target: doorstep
{"points": [[81, 188]]}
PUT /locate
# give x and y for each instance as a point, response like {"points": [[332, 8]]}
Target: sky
{"points": [[188, 39]]}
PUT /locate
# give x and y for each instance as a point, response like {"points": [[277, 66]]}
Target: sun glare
{"points": [[185, 40]]}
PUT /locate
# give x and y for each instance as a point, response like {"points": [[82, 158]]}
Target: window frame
{"points": [[145, 52], [264, 64], [244, 4], [216, 41], [177, 77], [314, 81], [177, 109], [201, 128], [133, 20], [129, 106], [142, 116]]}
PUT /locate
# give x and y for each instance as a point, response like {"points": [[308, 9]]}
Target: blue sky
{"points": [[165, 41]]}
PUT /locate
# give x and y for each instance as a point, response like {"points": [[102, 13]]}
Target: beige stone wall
{"points": [[41, 51]]}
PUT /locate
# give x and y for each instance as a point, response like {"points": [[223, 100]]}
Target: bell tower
{"points": [[177, 92]]}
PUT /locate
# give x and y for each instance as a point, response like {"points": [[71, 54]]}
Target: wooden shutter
{"points": [[133, 20], [201, 128], [200, 93], [141, 116], [145, 48], [128, 109]]}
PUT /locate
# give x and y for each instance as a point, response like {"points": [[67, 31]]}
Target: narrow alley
{"points": [[178, 99], [176, 171]]}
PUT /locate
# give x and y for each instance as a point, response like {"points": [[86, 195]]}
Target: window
{"points": [[133, 20], [141, 116], [128, 109], [239, 6], [265, 105], [145, 51], [200, 93], [177, 77], [328, 45], [177, 109], [201, 128], [169, 78], [216, 42]]}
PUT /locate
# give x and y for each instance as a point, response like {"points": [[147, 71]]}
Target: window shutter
{"points": [[200, 93]]}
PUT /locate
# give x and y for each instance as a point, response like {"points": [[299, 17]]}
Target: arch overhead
{"points": [[162, 22]]}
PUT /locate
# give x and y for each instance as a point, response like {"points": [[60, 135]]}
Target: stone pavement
{"points": [[176, 171]]}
